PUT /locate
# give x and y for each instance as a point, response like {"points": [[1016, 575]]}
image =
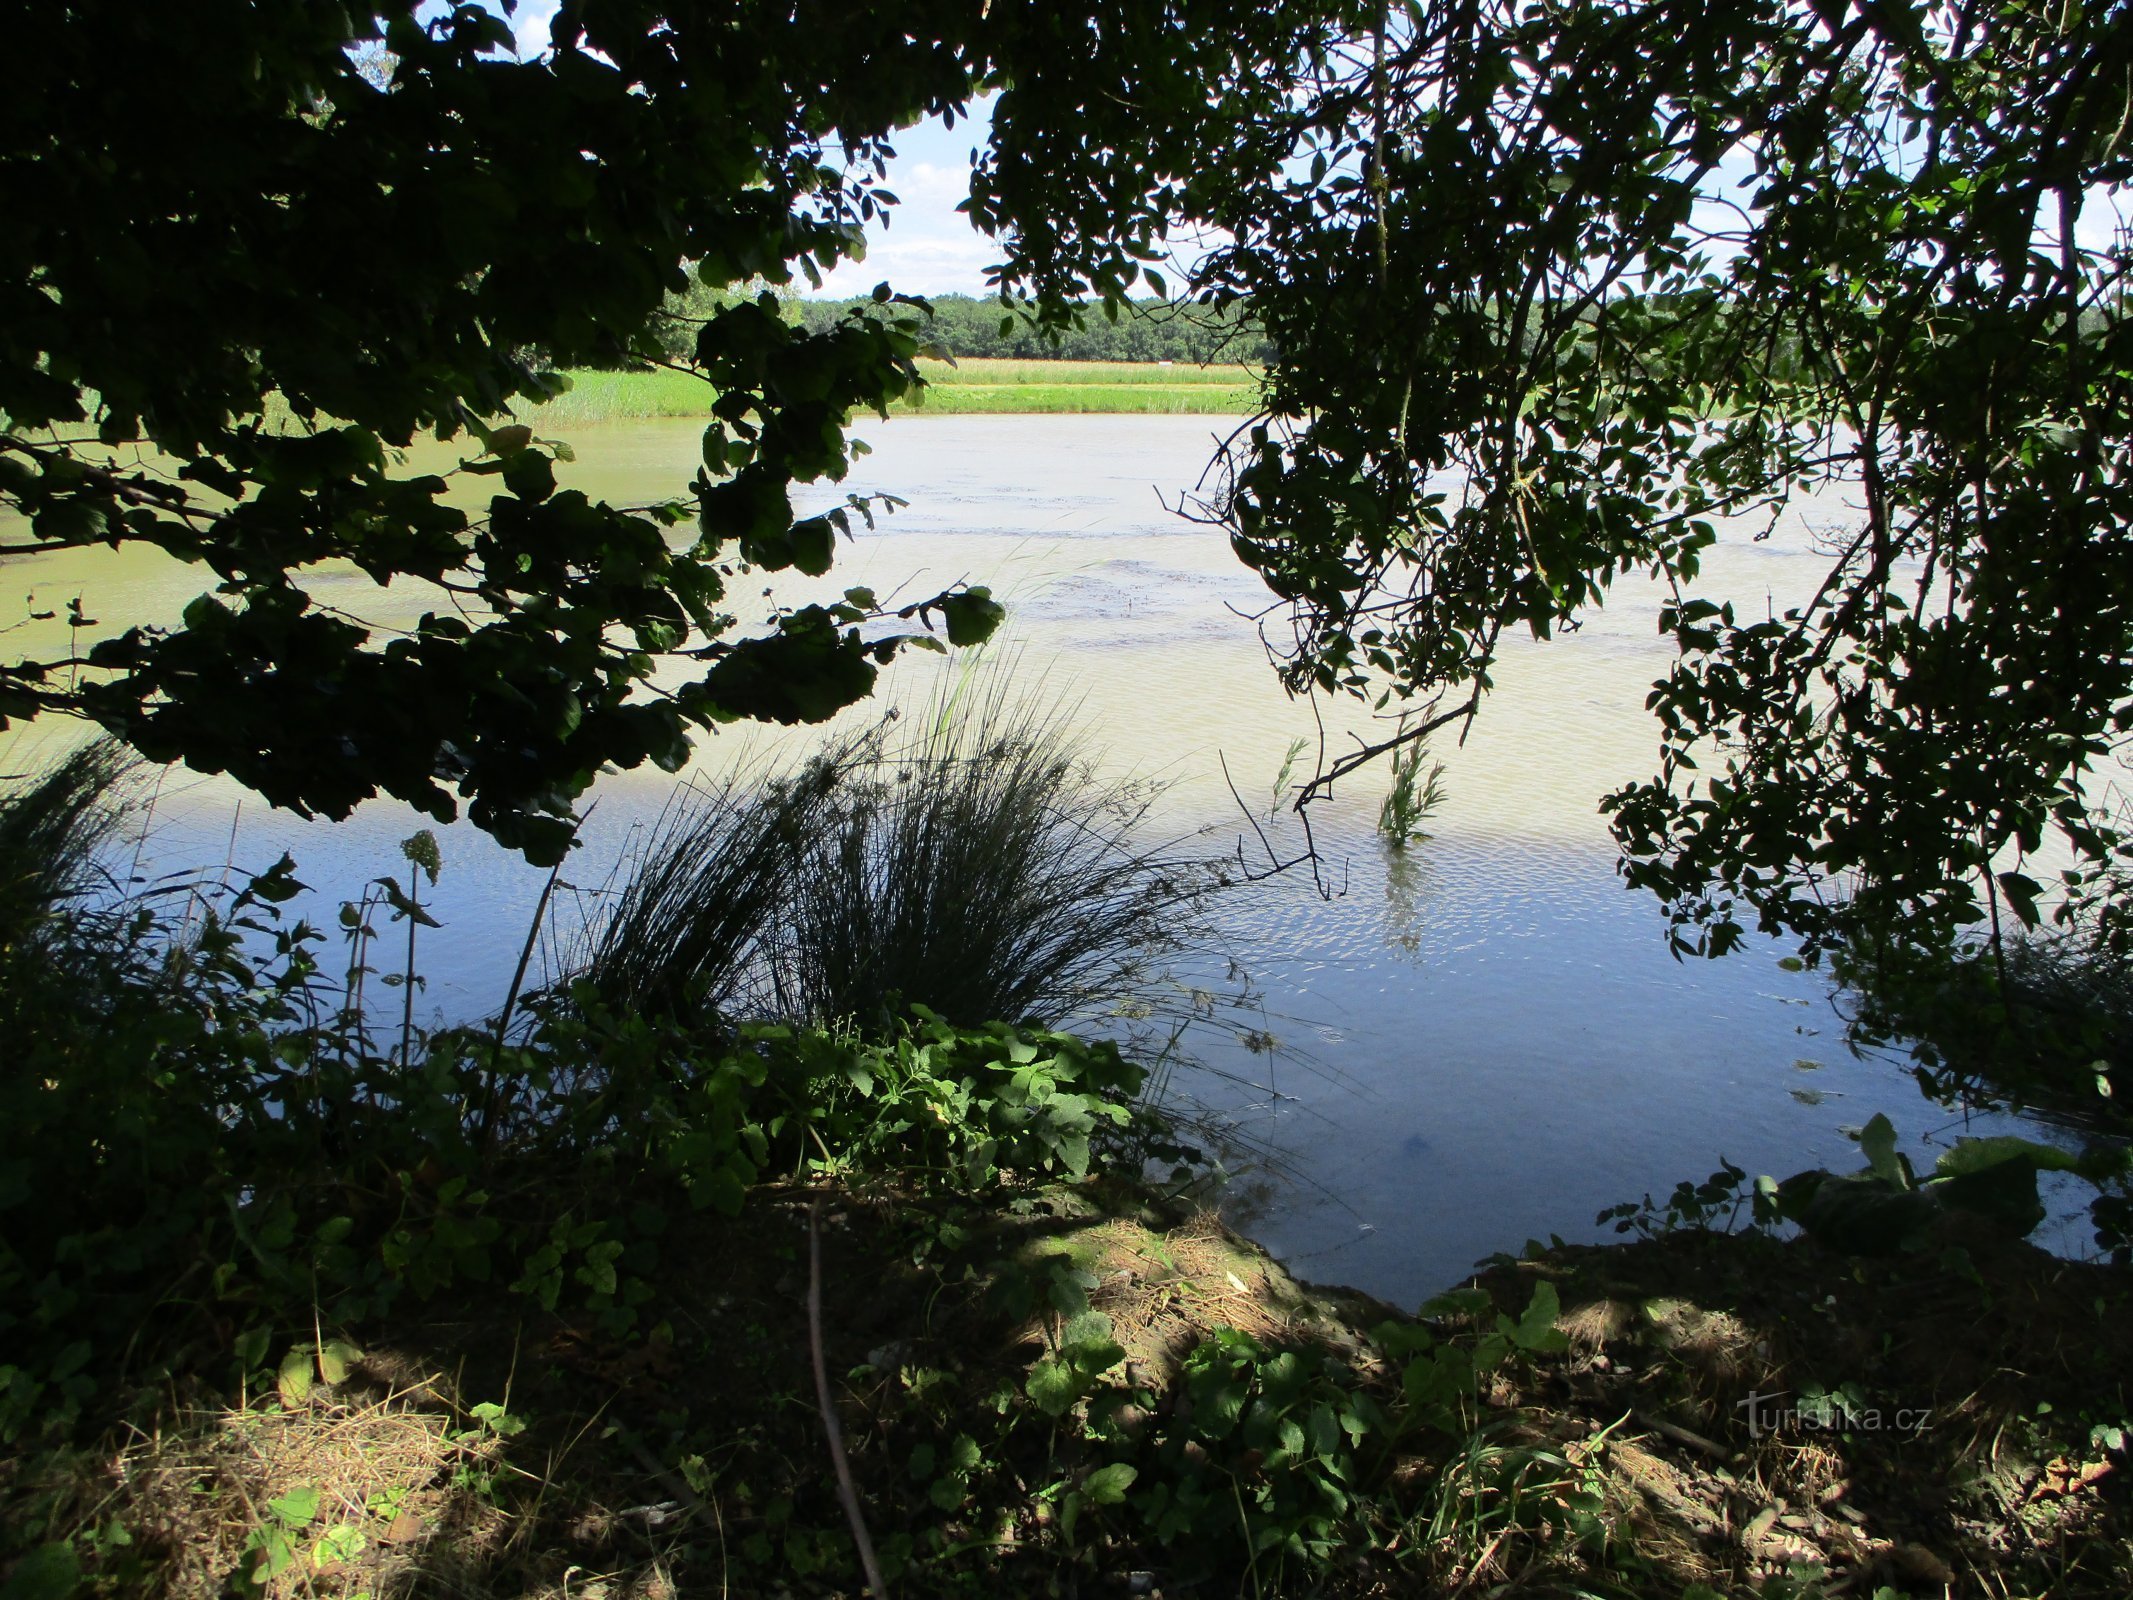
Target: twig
{"points": [[1274, 862], [1681, 1435], [830, 1430], [518, 977], [1324, 781]]}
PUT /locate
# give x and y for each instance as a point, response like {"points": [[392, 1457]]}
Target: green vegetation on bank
{"points": [[340, 1306], [952, 389]]}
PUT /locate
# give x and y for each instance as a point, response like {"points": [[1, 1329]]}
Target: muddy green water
{"points": [[1475, 1042]]}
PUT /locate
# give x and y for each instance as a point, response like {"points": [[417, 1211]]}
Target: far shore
{"points": [[989, 386]]}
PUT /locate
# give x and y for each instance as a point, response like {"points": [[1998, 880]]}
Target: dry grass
{"points": [[384, 1487], [398, 1506], [1167, 1290], [1968, 1468]]}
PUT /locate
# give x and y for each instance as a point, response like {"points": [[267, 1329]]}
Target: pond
{"points": [[1475, 1041]]}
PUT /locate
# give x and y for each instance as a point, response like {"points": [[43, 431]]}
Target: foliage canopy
{"points": [[1555, 287], [1549, 289], [221, 210]]}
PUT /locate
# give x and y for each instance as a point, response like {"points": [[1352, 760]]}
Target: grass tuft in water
{"points": [[973, 863], [54, 827], [686, 938], [979, 867]]}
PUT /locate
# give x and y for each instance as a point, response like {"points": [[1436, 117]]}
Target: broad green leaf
{"points": [[335, 1357], [1107, 1486], [294, 1378], [296, 1508], [1054, 1386]]}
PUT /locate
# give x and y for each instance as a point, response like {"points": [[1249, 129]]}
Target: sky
{"points": [[927, 247]]}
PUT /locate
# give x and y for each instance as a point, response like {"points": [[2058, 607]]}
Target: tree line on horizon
{"points": [[968, 327]]}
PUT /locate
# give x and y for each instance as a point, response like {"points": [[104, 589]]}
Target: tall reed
{"points": [[978, 866], [54, 827], [687, 934], [969, 861]]}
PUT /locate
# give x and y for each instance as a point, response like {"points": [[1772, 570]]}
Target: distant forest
{"points": [[1148, 330]]}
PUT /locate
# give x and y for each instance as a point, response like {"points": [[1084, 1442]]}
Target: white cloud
{"points": [[926, 246], [530, 24]]}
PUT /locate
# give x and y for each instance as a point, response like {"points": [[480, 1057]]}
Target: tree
{"points": [[1554, 285], [221, 215], [1548, 287]]}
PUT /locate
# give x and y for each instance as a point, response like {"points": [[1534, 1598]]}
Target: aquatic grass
{"points": [[602, 396], [999, 370], [998, 387], [1414, 796], [55, 825], [1071, 399], [685, 938], [979, 867]]}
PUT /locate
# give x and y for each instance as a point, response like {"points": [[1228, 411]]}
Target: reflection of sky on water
{"points": [[1478, 1042]]}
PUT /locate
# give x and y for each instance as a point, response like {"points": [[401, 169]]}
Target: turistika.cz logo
{"points": [[1834, 1411]]}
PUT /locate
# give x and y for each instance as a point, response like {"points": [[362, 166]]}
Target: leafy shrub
{"points": [[241, 1161], [1264, 1460], [931, 1100]]}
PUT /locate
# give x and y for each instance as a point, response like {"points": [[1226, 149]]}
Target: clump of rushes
{"points": [[53, 829], [687, 935], [973, 864], [978, 866]]}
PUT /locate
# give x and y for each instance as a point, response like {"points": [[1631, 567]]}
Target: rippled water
{"points": [[1477, 1042]]}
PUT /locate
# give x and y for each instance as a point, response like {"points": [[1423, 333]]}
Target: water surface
{"points": [[1477, 1041]]}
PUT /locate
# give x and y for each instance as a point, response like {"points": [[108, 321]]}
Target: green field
{"points": [[975, 386]]}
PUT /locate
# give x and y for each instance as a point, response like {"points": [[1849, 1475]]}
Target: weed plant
{"points": [[1414, 797]]}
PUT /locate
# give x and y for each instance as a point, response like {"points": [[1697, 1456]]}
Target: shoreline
{"points": [[982, 387]]}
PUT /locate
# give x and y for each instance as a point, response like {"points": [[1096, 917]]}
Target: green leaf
{"points": [[1054, 1386], [250, 1348], [335, 1357], [295, 1509], [1536, 1330], [338, 1543], [971, 615], [1107, 1486], [1979, 1155], [496, 1419], [294, 1378], [530, 475]]}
